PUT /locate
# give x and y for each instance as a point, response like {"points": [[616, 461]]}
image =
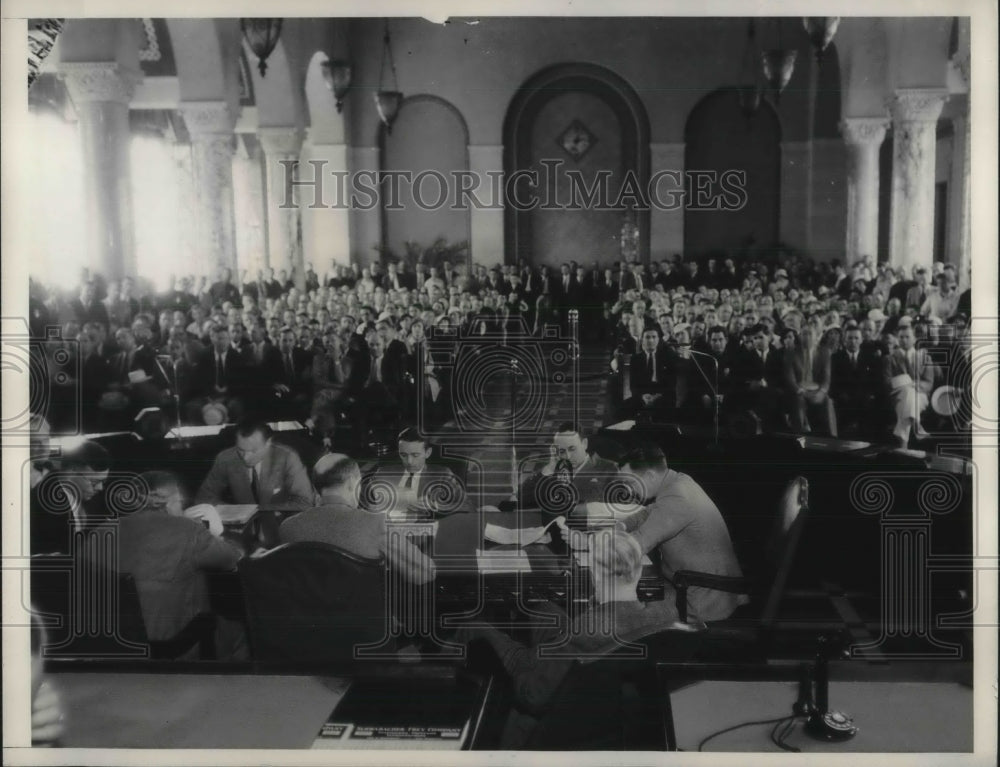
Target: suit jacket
{"points": [[360, 532], [748, 367], [167, 556], [436, 485], [234, 373], [916, 296], [273, 369], [640, 381], [283, 480], [922, 371], [96, 312], [591, 482], [854, 382]]}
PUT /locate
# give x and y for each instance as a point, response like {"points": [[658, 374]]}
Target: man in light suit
{"points": [[414, 482], [257, 471], [909, 376]]}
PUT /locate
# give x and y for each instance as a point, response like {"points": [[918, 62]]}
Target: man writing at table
{"points": [[589, 474], [683, 524], [256, 471], [416, 482]]}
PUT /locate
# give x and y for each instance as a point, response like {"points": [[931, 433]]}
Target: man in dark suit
{"points": [[758, 375], [413, 482], [855, 381], [223, 289], [569, 463], [286, 370], [652, 376], [699, 404], [87, 308], [220, 376], [256, 470]]}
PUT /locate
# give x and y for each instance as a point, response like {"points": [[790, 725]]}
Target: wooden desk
{"points": [[239, 710]]}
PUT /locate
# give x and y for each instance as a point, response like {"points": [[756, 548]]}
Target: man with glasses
{"points": [[64, 499], [257, 471]]}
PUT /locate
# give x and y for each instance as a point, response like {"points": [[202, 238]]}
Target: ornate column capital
{"points": [[208, 117], [280, 142], [917, 104], [99, 81], [864, 130]]}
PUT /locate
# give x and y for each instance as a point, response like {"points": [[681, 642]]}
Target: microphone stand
{"points": [[692, 354]]}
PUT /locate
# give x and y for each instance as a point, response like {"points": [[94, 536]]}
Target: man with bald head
{"points": [[337, 520]]}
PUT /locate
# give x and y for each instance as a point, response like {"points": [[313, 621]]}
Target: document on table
{"points": [[515, 536], [236, 513], [602, 510], [502, 561]]}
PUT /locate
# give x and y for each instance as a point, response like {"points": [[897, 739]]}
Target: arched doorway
{"points": [[574, 123], [719, 138]]}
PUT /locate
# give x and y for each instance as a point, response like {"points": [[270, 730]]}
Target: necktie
{"points": [[638, 283], [289, 369], [854, 359], [254, 485], [649, 367], [218, 370], [409, 482]]}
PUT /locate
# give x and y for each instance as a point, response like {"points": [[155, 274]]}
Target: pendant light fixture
{"points": [[821, 30], [749, 89], [387, 101], [337, 76], [262, 37], [778, 64]]}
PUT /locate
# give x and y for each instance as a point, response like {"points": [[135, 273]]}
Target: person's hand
{"points": [[706, 400], [614, 364], [281, 388], [205, 512], [47, 718], [550, 468]]}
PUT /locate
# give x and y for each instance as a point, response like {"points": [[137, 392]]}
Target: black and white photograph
{"points": [[538, 378]]}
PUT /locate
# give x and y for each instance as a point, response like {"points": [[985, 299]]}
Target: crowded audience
{"points": [[363, 349]]}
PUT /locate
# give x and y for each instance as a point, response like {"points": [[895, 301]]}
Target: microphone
{"points": [[692, 354]]}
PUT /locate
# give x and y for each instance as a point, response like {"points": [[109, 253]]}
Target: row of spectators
{"points": [[352, 350]]}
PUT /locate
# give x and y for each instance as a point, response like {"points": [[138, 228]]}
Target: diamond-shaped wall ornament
{"points": [[576, 140]]}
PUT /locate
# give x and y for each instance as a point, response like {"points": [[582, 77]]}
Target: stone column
{"points": [[210, 124], [666, 219], [959, 190], [101, 93], [249, 196], [323, 192], [365, 213], [863, 136], [914, 125], [486, 224], [284, 228]]}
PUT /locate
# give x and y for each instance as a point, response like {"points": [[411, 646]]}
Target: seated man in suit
{"points": [[256, 471], [652, 377], [854, 384], [58, 501], [338, 520], [683, 524], [908, 376], [221, 375], [758, 378], [569, 463], [415, 483], [167, 550]]}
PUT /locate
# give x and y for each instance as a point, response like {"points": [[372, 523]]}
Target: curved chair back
{"points": [[312, 603]]}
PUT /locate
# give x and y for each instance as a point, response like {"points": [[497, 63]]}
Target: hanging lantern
{"points": [[262, 37], [337, 75], [778, 65], [387, 100], [749, 90], [821, 30]]}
